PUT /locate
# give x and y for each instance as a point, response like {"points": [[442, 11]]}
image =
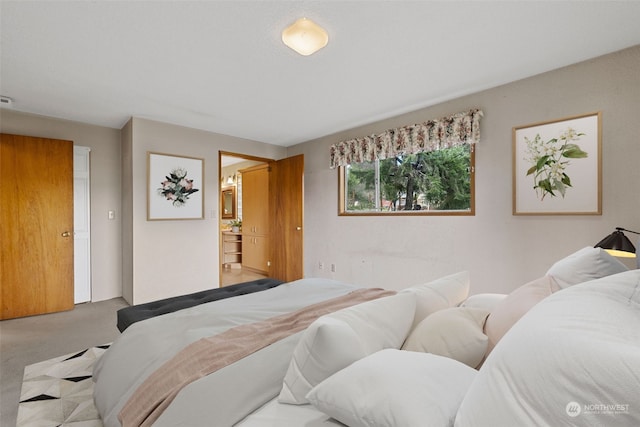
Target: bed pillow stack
{"points": [[468, 333], [586, 264], [336, 340], [573, 359]]}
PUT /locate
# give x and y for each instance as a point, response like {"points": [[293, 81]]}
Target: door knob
{"points": [[298, 228], [66, 234]]}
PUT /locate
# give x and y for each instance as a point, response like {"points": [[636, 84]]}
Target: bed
{"points": [[135, 313], [420, 356]]}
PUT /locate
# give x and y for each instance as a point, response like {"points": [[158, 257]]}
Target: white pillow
{"points": [[439, 294], [571, 359], [584, 265], [455, 332], [515, 305], [395, 388], [338, 339], [486, 301]]}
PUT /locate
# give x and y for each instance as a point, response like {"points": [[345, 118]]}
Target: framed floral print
{"points": [[557, 167], [175, 187]]}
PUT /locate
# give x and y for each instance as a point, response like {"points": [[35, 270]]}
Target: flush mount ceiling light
{"points": [[305, 36]]}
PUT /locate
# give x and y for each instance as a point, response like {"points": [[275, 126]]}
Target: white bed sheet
{"points": [[274, 414], [226, 396]]}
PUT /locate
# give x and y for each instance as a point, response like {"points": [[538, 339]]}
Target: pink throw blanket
{"points": [[210, 354]]}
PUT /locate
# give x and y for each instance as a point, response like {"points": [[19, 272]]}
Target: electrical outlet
{"points": [[320, 265], [333, 268]]}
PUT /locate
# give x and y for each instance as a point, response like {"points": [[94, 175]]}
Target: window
{"points": [[439, 182]]}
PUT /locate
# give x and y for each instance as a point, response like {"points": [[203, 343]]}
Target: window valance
{"points": [[457, 129]]}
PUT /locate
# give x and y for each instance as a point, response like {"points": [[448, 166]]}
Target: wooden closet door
{"points": [[36, 226]]}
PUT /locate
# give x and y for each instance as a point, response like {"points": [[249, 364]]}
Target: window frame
{"points": [[466, 212]]}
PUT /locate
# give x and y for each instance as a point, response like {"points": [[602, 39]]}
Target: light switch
{"points": [[112, 214]]}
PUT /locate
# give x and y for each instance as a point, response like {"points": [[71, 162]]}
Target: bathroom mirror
{"points": [[228, 206]]}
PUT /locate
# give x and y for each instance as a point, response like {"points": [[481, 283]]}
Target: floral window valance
{"points": [[457, 129]]}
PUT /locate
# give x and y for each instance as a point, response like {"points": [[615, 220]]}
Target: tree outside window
{"points": [[434, 182]]}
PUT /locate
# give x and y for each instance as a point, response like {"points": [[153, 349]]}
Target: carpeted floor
{"points": [[27, 340], [59, 391]]}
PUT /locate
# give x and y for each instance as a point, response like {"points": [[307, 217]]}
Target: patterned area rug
{"points": [[59, 391]]}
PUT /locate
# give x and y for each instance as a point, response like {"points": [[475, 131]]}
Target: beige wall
{"points": [[106, 243], [177, 257], [145, 260], [131, 257], [500, 250]]}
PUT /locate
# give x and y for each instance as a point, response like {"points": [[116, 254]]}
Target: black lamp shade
{"points": [[617, 241]]}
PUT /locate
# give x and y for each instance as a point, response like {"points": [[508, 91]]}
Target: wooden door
{"points": [[286, 186], [36, 226]]}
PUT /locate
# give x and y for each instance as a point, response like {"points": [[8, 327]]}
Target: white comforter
{"points": [[227, 396]]}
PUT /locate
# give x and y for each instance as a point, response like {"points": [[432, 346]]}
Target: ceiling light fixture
{"points": [[305, 36]]}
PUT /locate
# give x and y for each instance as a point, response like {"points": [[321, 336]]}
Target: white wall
{"points": [[106, 243], [177, 257], [500, 250]]}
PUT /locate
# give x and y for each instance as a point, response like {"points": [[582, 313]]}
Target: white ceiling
{"points": [[221, 66]]}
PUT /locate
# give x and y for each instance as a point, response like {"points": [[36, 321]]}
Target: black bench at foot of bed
{"points": [[129, 315]]}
